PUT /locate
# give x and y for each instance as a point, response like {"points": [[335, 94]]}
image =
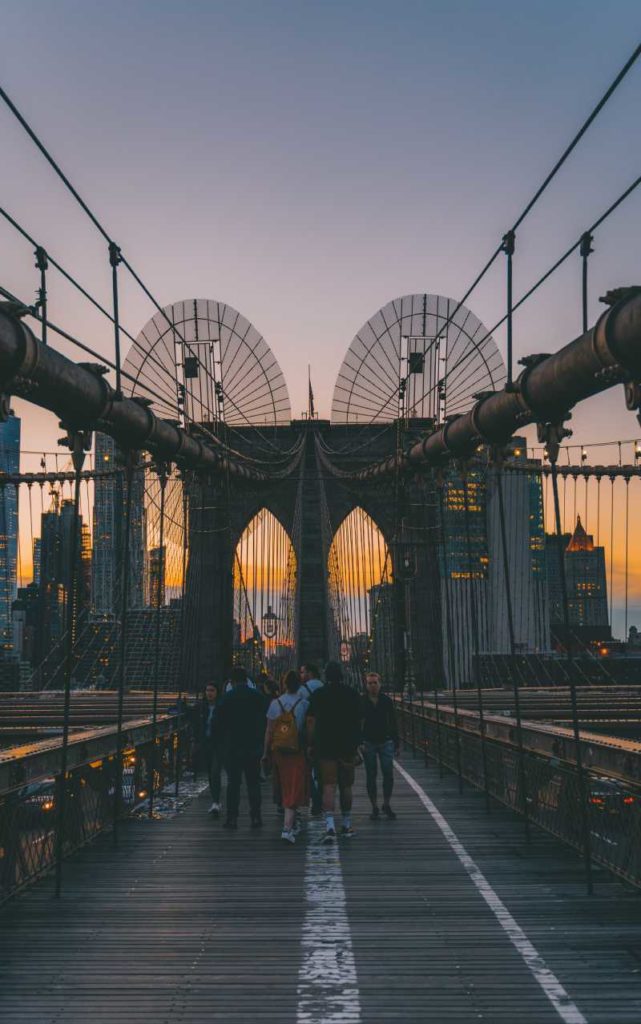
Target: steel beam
{"points": [[545, 392], [83, 399]]}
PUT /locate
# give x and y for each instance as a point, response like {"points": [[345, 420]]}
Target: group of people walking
{"points": [[309, 737]]}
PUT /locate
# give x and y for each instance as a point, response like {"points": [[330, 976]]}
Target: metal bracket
{"points": [[552, 434], [78, 442], [632, 391]]}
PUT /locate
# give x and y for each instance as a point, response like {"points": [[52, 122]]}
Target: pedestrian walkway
{"points": [[188, 924]]}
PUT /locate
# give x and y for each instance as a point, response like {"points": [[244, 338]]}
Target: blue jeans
{"points": [[383, 752]]}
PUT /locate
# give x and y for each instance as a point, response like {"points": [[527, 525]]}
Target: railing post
{"points": [[131, 459], [440, 481], [475, 641], [498, 457], [79, 443], [161, 470], [583, 797]]}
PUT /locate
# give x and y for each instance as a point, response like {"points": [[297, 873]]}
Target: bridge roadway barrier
{"points": [[95, 793], [543, 783]]}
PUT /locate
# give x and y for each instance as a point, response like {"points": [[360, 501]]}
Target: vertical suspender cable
{"points": [[612, 479], [585, 249], [507, 247], [184, 575], [162, 483], [475, 638], [627, 551], [78, 456], [115, 258], [42, 264], [515, 682], [585, 826], [448, 633], [127, 478]]}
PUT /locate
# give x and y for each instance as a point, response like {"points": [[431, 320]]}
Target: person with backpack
{"points": [[284, 749], [309, 683]]}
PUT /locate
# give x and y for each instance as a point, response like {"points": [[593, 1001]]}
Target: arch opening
{"points": [[361, 597], [264, 575]]}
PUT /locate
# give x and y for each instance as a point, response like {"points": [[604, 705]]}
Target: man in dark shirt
{"points": [[380, 742], [208, 746], [239, 730], [333, 731]]}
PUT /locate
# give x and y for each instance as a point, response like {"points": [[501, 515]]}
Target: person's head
{"points": [[292, 682], [308, 671], [333, 673], [238, 676], [211, 692], [373, 684]]}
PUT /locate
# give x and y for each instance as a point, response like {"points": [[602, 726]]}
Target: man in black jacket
{"points": [[333, 732], [240, 730], [380, 742]]}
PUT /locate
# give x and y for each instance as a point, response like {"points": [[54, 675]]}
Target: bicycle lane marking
{"points": [[327, 981], [567, 1010]]}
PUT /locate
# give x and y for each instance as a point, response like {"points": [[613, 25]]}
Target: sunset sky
{"points": [[307, 162]]}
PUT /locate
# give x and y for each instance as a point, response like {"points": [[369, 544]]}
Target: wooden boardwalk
{"points": [[187, 924]]}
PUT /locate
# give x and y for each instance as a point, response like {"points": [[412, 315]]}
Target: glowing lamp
{"points": [[270, 623]]}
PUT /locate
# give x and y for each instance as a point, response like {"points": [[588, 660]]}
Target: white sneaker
{"points": [[288, 836], [214, 809]]}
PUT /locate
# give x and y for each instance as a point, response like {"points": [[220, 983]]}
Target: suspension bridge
{"points": [[190, 523]]}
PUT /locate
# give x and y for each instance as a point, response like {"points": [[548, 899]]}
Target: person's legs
{"points": [[328, 778], [386, 755], [345, 784], [215, 768], [252, 777], [315, 785], [369, 760], [234, 772]]}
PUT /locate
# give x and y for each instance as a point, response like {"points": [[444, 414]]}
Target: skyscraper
{"points": [[525, 544], [464, 562], [108, 533], [586, 584], [157, 577], [381, 631], [474, 609], [9, 463], [62, 544]]}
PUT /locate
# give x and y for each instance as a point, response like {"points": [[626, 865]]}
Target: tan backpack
{"points": [[285, 738]]}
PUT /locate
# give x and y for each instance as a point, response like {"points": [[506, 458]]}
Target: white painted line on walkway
{"points": [[327, 981], [552, 987]]}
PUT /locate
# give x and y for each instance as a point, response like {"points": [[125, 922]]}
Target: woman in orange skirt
{"points": [[285, 749]]}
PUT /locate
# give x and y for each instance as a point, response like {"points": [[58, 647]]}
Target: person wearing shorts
{"points": [[333, 735], [290, 767]]}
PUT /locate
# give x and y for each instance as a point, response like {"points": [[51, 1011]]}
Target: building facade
{"points": [[9, 463]]}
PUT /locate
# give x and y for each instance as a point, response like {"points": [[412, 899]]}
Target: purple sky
{"points": [[307, 162]]}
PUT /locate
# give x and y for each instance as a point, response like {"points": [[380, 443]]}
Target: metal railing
{"points": [[45, 816], [544, 788]]}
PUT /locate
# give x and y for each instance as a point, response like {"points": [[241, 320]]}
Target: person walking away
{"points": [[309, 683], [209, 745], [239, 730], [284, 747], [333, 736], [380, 743]]}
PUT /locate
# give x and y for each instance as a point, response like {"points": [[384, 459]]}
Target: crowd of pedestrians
{"points": [[308, 736]]}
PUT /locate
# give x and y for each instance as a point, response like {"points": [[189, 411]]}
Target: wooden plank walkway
{"points": [[187, 924]]}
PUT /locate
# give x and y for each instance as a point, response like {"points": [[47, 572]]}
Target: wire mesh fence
{"points": [[546, 789], [52, 815]]}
